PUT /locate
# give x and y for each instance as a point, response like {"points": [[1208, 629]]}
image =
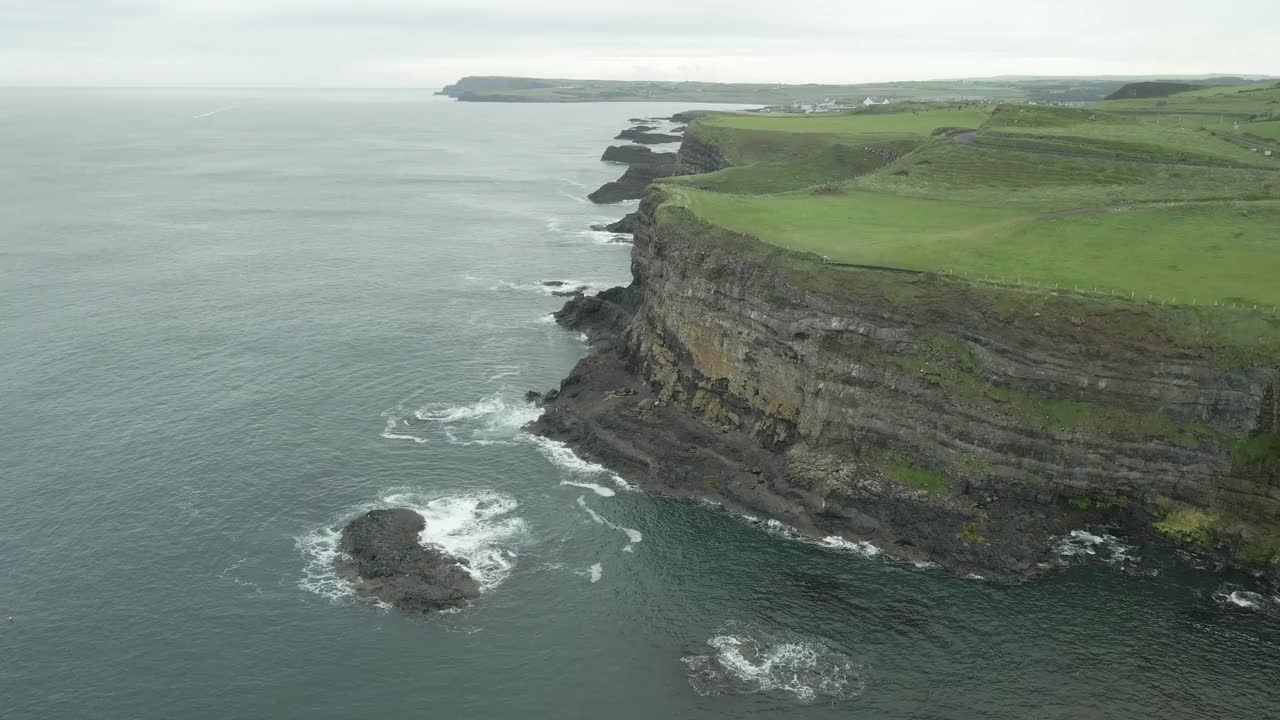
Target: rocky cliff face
{"points": [[942, 420], [697, 156]]}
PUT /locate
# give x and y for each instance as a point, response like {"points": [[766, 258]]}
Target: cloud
{"points": [[431, 42]]}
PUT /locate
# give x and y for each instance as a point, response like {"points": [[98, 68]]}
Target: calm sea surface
{"points": [[230, 320]]}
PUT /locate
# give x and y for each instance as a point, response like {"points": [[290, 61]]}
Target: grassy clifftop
{"points": [[1140, 198]]}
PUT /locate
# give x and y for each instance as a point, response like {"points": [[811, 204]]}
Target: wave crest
{"points": [[749, 660]]}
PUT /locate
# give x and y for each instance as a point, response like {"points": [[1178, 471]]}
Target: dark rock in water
{"points": [[627, 225], [636, 155], [604, 315], [645, 167], [554, 283], [645, 137], [383, 559], [684, 117], [573, 292], [631, 186]]}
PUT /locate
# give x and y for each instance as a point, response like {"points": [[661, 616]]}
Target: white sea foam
{"points": [[1250, 600], [389, 432], [858, 547], [1232, 596], [862, 548], [597, 571], [633, 536], [597, 489], [494, 420], [566, 285], [563, 457], [747, 660], [479, 527], [211, 113], [604, 237], [1079, 545]]}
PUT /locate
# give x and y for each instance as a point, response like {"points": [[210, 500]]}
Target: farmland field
{"points": [[1127, 197]]}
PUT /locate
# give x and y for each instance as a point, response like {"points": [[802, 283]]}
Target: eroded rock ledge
{"points": [[645, 166]]}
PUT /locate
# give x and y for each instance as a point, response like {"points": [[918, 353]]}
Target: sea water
{"points": [[232, 320]]}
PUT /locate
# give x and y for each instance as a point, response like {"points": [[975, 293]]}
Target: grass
{"points": [[862, 126], [832, 163], [904, 472], [1218, 252], [953, 172], [1191, 525], [1157, 136], [1257, 453], [1269, 129], [1238, 100]]}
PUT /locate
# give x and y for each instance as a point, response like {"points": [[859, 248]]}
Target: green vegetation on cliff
{"points": [[1129, 198]]}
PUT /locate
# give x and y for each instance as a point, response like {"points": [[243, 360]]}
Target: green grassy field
{"points": [[1269, 130], [949, 171], [870, 127], [1135, 200], [1240, 100], [1168, 137], [1203, 252]]}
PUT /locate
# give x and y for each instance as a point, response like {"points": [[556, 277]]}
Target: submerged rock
{"points": [[384, 559]]}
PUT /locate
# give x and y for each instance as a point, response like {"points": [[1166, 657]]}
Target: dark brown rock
{"points": [[384, 559]]}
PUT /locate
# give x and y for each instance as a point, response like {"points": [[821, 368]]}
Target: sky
{"points": [[428, 43]]}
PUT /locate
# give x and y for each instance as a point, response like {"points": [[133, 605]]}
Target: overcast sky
{"points": [[427, 43]]}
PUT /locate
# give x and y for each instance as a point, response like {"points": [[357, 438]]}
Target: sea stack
{"points": [[384, 559]]}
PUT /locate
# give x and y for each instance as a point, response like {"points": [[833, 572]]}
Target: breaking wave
{"points": [[479, 526], [604, 237], [747, 660], [1233, 597], [494, 420], [563, 457], [561, 286], [1081, 545], [862, 548]]}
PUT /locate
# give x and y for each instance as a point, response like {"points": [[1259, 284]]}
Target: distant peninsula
{"points": [[1002, 89]]}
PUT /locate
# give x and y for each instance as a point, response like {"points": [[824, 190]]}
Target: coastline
{"points": [[641, 406]]}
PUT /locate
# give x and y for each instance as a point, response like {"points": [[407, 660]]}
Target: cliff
{"points": [[947, 421]]}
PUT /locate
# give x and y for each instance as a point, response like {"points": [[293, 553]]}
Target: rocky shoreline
{"points": [[712, 376], [644, 166]]}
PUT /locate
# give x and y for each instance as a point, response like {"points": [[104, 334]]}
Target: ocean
{"points": [[230, 320]]}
